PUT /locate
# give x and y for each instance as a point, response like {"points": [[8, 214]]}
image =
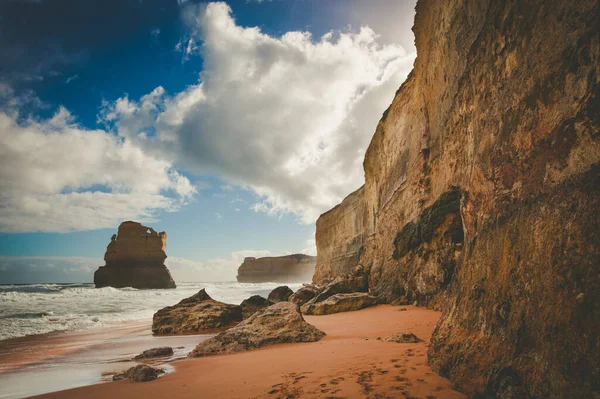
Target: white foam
{"points": [[42, 308]]}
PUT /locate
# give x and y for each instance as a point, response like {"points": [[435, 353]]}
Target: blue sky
{"points": [[231, 126]]}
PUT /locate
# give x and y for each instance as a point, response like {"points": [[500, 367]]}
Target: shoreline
{"points": [[350, 361]]}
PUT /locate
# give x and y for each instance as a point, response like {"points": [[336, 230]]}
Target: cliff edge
{"points": [[481, 196], [135, 258], [279, 269]]}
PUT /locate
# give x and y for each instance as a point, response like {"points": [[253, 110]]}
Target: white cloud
{"points": [[71, 78], [288, 117], [218, 269], [57, 176]]}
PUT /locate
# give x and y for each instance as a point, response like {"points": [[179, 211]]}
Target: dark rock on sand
{"points": [[139, 373], [304, 294], [404, 338], [280, 323], [155, 352], [339, 303], [253, 305], [196, 314], [280, 294]]}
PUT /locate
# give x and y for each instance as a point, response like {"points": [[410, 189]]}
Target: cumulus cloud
{"points": [[289, 117], [57, 176]]}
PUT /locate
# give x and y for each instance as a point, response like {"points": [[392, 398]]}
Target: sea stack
{"points": [[135, 258], [278, 269]]}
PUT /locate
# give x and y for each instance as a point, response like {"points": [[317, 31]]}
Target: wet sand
{"points": [[62, 360], [350, 362]]}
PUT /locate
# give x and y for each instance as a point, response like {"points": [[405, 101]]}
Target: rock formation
{"points": [[135, 258], [339, 303], [304, 294], [195, 315], [155, 352], [278, 269], [139, 373], [481, 196], [280, 323], [280, 294], [254, 304]]}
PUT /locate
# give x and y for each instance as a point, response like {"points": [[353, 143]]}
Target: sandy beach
{"points": [[349, 362]]}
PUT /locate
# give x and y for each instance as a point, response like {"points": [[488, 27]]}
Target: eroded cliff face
{"points": [[481, 195], [280, 269], [135, 258], [340, 237]]}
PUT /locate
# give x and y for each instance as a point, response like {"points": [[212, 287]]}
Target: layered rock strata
{"points": [[135, 258], [339, 303], [278, 269], [481, 196], [195, 315]]}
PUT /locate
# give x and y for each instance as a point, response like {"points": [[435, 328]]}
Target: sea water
{"points": [[42, 308], [100, 339]]}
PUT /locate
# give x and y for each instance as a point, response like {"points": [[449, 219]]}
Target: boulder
{"points": [[280, 294], [155, 352], [404, 338], [280, 323], [139, 373], [282, 269], [344, 285], [304, 294], [254, 304], [196, 314], [339, 303], [135, 258]]}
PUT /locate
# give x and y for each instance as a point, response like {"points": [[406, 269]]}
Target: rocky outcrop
{"points": [[280, 323], [278, 269], [340, 238], [304, 294], [155, 352], [339, 303], [195, 315], [481, 196], [280, 294], [139, 373], [254, 304], [404, 338], [135, 258]]}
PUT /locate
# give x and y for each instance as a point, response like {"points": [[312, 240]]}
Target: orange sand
{"points": [[342, 364]]}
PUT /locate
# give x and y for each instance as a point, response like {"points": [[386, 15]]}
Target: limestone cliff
{"points": [[481, 196], [280, 269], [135, 258]]}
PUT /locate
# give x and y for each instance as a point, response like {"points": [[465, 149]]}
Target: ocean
{"points": [[60, 336], [42, 308]]}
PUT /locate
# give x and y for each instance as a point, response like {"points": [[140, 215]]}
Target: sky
{"points": [[230, 125]]}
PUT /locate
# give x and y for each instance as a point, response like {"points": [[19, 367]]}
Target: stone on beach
{"points": [[280, 323], [280, 294], [304, 294], [196, 314], [139, 373], [155, 352], [339, 303], [254, 304], [404, 338]]}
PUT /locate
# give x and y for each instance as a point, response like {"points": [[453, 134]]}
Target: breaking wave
{"points": [[42, 308]]}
